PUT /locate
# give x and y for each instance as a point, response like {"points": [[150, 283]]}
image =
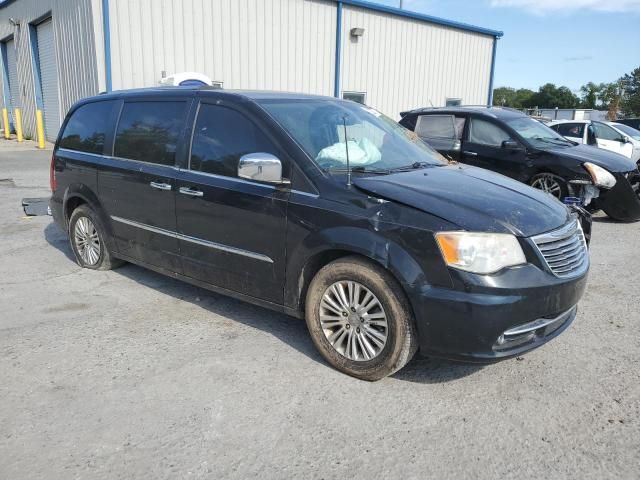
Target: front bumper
{"points": [[622, 202], [489, 318]]}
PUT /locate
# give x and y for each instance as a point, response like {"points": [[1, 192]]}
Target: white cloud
{"points": [[540, 7]]}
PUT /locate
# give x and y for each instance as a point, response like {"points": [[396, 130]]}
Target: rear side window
{"points": [[87, 128], [486, 133], [150, 131], [221, 136], [570, 129], [436, 126]]}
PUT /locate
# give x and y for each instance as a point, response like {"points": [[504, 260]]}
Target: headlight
{"points": [[480, 252], [600, 176]]}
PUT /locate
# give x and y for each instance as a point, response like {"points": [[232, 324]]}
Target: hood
{"points": [[611, 161], [472, 198]]}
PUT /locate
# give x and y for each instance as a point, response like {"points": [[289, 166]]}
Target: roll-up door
{"points": [[48, 79]]}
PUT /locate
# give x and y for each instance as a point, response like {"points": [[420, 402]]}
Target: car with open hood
{"points": [[513, 144], [323, 209]]}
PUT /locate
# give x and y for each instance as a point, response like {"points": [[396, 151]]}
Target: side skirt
{"points": [[222, 291]]}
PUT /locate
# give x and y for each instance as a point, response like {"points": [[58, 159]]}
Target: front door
{"points": [[609, 139], [484, 147], [137, 184], [231, 231]]}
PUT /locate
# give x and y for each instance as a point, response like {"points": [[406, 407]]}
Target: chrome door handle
{"points": [[189, 191], [160, 186], [471, 154]]}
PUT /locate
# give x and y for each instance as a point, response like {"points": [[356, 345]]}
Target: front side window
{"points": [[150, 131], [87, 128], [221, 136], [436, 126], [486, 133], [627, 130], [329, 130], [605, 132]]}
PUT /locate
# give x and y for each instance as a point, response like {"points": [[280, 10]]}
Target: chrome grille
{"points": [[564, 250]]}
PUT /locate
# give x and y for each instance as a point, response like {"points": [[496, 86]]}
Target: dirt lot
{"points": [[128, 374]]}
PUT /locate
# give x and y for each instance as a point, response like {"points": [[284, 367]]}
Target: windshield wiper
{"points": [[554, 141], [358, 169], [413, 166]]}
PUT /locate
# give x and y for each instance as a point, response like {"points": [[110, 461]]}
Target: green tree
{"points": [[510, 97], [630, 101], [590, 93], [550, 96]]}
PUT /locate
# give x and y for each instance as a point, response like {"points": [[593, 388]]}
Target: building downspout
{"points": [[336, 83], [107, 44], [493, 69]]}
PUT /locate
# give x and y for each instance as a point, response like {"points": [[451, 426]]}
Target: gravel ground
{"points": [[129, 374]]}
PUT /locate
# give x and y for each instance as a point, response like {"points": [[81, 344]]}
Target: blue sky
{"points": [[566, 42]]}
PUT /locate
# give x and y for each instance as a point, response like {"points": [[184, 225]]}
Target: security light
{"points": [[357, 32]]}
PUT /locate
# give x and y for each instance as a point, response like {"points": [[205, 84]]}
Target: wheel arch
{"points": [[76, 195], [345, 242]]}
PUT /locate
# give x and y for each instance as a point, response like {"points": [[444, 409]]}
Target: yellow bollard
{"points": [[18, 117], [5, 124], [39, 129]]}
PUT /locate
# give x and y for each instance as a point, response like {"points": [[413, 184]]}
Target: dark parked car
{"points": [[632, 122], [509, 142], [323, 209]]}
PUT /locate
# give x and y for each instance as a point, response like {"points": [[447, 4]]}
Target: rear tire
{"points": [[87, 237], [360, 319]]}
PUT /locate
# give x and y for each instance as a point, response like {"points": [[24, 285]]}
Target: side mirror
{"points": [[261, 167], [511, 145], [626, 139]]}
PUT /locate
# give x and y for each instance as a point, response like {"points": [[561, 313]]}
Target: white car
{"points": [[634, 136], [599, 134]]}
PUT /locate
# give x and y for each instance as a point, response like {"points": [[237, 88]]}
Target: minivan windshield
{"points": [[538, 134], [374, 143]]}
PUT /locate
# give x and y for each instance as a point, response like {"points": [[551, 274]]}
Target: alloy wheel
{"points": [[87, 241], [353, 320], [549, 184]]}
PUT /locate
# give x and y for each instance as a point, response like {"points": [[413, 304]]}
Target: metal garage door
{"points": [[49, 79], [14, 87]]}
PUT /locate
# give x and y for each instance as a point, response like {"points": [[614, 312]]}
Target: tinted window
{"points": [[436, 126], [357, 97], [486, 133], [149, 131], [86, 129], [221, 136], [570, 129], [605, 132]]}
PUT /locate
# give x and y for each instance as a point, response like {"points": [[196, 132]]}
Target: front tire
{"points": [[87, 237], [550, 183], [360, 319]]}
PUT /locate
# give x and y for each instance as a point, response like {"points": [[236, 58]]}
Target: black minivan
{"points": [[511, 143], [324, 209]]}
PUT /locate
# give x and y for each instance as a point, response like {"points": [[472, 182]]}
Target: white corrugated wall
{"points": [[78, 49], [403, 63], [248, 44]]}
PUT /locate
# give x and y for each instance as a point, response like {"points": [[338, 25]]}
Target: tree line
{"points": [[619, 97]]}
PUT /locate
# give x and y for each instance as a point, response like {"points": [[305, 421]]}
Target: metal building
{"points": [[53, 52]]}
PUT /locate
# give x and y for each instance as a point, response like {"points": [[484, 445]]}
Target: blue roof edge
{"points": [[421, 16]]}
